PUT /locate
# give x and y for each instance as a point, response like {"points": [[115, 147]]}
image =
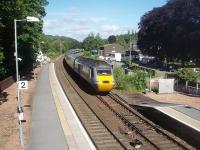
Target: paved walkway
{"points": [[54, 124], [46, 131], [76, 136]]}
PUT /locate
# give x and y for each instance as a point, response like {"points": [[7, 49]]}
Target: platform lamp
{"points": [[19, 107]]}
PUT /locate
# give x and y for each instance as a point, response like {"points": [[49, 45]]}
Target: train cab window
{"points": [[104, 72]]}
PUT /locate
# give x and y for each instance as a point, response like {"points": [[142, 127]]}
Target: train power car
{"points": [[96, 72]]}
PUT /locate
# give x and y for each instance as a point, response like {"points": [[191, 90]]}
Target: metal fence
{"points": [[188, 87]]}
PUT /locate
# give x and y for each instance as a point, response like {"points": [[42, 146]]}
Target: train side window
{"points": [[92, 73]]}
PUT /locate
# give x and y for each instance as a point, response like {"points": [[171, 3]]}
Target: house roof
{"points": [[112, 44]]}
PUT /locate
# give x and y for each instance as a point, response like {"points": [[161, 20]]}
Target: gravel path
{"points": [[9, 128]]}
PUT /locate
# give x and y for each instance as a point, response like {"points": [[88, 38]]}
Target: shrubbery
{"points": [[134, 82], [118, 75], [2, 67], [188, 74]]}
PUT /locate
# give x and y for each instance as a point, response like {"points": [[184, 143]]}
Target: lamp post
{"points": [[19, 107]]}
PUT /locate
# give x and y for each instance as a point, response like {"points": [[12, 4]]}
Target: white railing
{"points": [[186, 88]]}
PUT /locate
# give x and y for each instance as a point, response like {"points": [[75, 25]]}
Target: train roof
{"points": [[88, 61], [68, 53], [92, 63]]}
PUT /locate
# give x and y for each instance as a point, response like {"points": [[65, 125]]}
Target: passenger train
{"points": [[97, 73]]}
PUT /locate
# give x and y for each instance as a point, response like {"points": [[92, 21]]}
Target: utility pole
{"points": [[130, 57]]}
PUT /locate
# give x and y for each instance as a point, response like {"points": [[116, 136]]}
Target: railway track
{"points": [[100, 135], [158, 137], [110, 122]]}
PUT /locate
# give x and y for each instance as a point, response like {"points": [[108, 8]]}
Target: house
{"points": [[135, 55], [109, 49]]}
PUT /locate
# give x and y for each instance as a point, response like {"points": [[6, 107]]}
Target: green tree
{"points": [[55, 45], [2, 68], [121, 41], [112, 39], [125, 39], [28, 33], [92, 42], [172, 31], [188, 74]]}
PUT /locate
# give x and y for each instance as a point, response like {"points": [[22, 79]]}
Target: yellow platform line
{"points": [[68, 135]]}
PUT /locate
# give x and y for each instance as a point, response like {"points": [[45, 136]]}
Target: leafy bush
{"points": [[188, 74], [140, 80], [134, 82], [52, 53], [2, 68], [118, 75], [127, 83]]}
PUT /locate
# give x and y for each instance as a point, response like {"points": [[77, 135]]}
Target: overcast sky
{"points": [[78, 18]]}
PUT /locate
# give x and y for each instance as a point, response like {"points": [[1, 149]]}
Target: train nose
{"points": [[105, 87], [105, 83]]}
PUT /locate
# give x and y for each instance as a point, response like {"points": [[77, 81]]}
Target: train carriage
{"points": [[98, 73]]}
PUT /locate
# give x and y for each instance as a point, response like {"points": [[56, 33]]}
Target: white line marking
{"points": [[74, 114]]}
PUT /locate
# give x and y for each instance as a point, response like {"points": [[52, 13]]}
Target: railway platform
{"points": [[182, 113], [54, 124], [182, 120], [185, 114]]}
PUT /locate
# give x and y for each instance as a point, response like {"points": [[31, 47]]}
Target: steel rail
{"points": [[67, 78], [122, 102], [127, 122]]}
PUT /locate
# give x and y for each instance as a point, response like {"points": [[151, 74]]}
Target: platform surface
{"points": [[190, 111], [54, 124], [75, 133], [45, 132], [185, 114]]}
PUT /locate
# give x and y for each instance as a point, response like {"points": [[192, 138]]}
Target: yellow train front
{"points": [[104, 79], [98, 73]]}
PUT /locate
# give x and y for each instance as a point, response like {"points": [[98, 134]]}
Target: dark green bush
{"points": [[134, 82], [2, 67], [118, 75], [187, 74], [140, 80]]}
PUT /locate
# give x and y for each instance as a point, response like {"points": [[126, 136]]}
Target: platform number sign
{"points": [[23, 85]]}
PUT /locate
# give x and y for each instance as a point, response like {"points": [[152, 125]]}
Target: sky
{"points": [[78, 18]]}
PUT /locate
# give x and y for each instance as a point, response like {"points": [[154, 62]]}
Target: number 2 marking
{"points": [[23, 85]]}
